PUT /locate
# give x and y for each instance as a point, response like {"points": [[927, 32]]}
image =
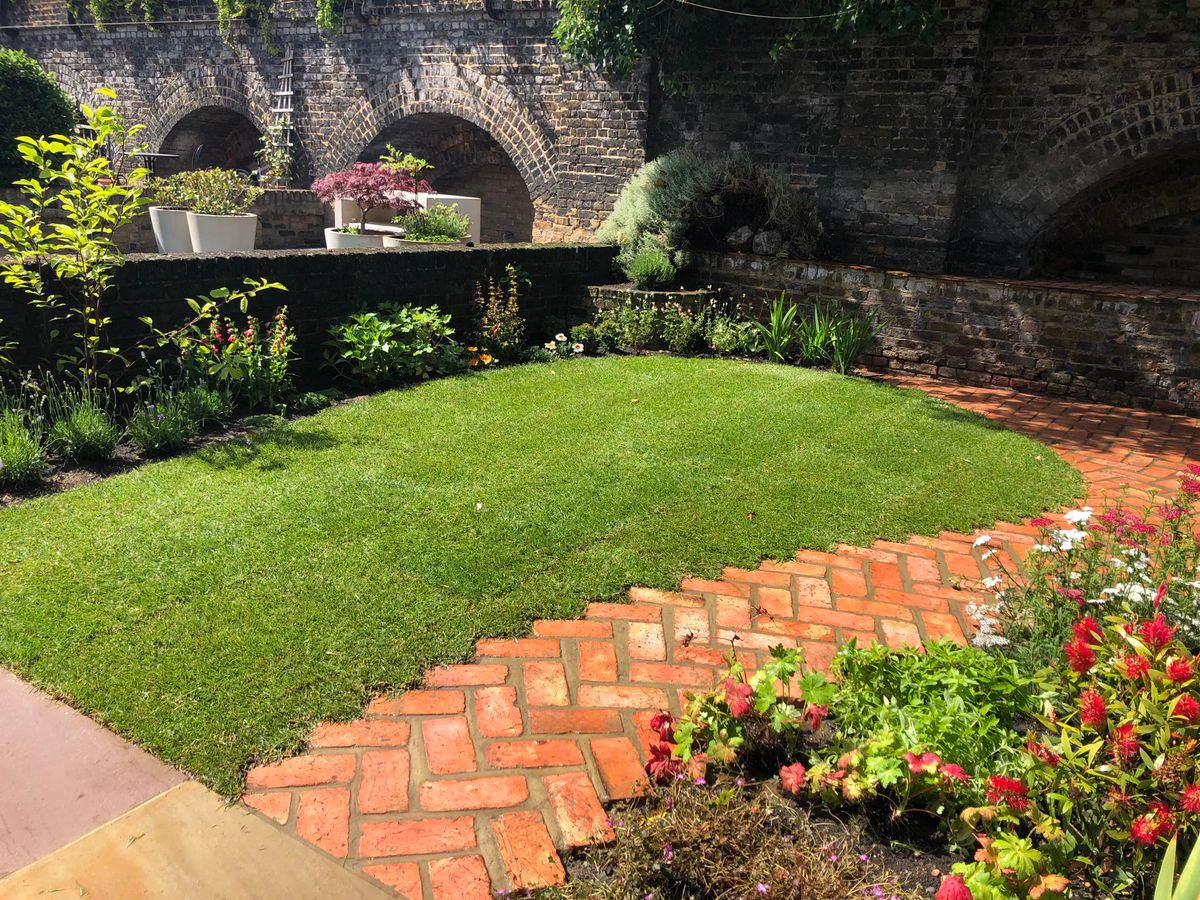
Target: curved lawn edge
{"points": [[194, 630]]}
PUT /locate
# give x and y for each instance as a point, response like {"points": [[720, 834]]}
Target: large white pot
{"points": [[340, 240], [171, 233], [216, 233]]}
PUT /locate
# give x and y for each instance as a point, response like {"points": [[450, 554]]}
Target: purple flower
{"points": [[668, 852], [761, 888]]}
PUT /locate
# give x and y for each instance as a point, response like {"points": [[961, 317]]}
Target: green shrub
{"points": [[630, 325], [395, 343], [161, 427], [496, 310], [731, 337], [21, 458], [206, 407], [31, 103], [218, 192], [651, 268], [437, 225], [608, 334], [586, 335], [83, 429], [313, 401], [682, 330], [172, 192]]}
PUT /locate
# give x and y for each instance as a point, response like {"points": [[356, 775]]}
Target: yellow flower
{"points": [[486, 359]]}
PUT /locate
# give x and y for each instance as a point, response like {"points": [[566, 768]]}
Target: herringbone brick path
{"points": [[477, 779]]}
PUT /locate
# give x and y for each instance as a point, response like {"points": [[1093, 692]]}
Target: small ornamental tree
{"points": [[370, 186]]}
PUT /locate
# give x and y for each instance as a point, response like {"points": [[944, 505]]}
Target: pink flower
{"points": [[663, 764], [1092, 711], [815, 715], [791, 778], [737, 697], [663, 725], [1190, 486], [1041, 522], [953, 888]]}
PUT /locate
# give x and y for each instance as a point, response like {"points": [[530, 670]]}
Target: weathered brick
{"points": [[530, 860], [487, 792], [400, 837]]}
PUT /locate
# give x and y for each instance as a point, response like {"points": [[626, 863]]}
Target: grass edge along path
{"points": [[214, 606]]}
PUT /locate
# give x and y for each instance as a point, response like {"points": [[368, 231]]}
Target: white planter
{"points": [[216, 233], [390, 241], [171, 233], [340, 240]]}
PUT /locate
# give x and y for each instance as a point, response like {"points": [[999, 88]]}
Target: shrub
{"points": [[310, 402], [218, 192], [439, 224], [31, 103], [730, 840], [682, 330], [587, 337], [171, 192], [651, 268], [731, 337], [395, 343], [253, 363], [499, 325], [207, 407], [162, 426], [21, 458], [83, 429], [632, 325]]}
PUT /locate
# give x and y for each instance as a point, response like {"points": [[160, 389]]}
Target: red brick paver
{"points": [[482, 776]]}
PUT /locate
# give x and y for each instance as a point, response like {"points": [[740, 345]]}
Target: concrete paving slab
{"points": [[189, 844], [62, 775]]}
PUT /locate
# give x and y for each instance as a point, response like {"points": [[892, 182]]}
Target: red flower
{"points": [[1156, 633], [1080, 656], [926, 762], [1124, 741], [953, 888], [791, 778], [815, 715], [1092, 711], [1041, 522], [1194, 468], [737, 697], [1135, 666], [663, 764], [1190, 486], [664, 725], [1190, 801], [953, 772], [1170, 513], [1180, 670], [1186, 708], [1044, 753], [1088, 630], [1153, 824], [1008, 791]]}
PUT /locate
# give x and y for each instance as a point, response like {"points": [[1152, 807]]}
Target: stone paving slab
{"points": [[61, 774], [480, 778], [188, 844]]}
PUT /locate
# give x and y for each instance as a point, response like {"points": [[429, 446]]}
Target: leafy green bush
{"points": [[207, 407], [172, 192], [651, 268], [439, 224], [21, 458], [731, 337], [496, 309], [682, 330], [162, 426], [310, 402], [31, 103], [587, 336], [218, 192], [83, 429], [395, 343], [629, 325]]}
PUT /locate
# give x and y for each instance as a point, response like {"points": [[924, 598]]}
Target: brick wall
{"points": [[1120, 346], [324, 287]]}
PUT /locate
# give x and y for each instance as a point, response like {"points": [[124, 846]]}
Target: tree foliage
{"points": [[31, 103]]}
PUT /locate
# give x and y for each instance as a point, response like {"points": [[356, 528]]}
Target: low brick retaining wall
{"points": [[324, 287], [1119, 344]]}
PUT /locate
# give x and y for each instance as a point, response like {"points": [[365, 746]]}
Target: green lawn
{"points": [[213, 606]]}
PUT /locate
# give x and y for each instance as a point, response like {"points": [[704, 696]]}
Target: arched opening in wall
{"points": [[468, 162], [1141, 225], [210, 137]]}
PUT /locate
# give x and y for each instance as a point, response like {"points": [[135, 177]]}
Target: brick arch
{"points": [[445, 91], [1091, 146], [200, 87]]}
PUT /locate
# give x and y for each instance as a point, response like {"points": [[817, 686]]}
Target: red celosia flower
{"points": [[1092, 711], [1180, 670], [1135, 666], [1080, 656], [1124, 741], [1186, 708], [1008, 791], [663, 725], [815, 714], [953, 772], [953, 888], [1156, 632], [1088, 629], [737, 697], [791, 778], [926, 762], [1190, 800]]}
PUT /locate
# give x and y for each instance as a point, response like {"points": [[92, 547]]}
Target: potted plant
{"points": [[168, 213], [439, 224], [217, 217], [368, 186]]}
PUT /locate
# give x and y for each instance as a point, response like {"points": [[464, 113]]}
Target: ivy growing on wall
{"points": [[101, 11]]}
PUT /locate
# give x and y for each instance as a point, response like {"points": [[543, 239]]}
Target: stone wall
{"points": [[323, 287], [1120, 346]]}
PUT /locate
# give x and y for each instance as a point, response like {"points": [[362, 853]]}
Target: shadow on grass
{"points": [[255, 450]]}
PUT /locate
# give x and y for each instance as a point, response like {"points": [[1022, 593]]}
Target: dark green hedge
{"points": [[31, 103]]}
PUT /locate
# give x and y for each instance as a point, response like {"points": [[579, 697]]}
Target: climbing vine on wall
{"points": [[101, 11]]}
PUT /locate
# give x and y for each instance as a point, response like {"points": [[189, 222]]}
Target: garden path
{"points": [[479, 779]]}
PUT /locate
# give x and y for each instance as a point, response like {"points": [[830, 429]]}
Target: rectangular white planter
{"points": [[213, 234], [346, 213]]}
